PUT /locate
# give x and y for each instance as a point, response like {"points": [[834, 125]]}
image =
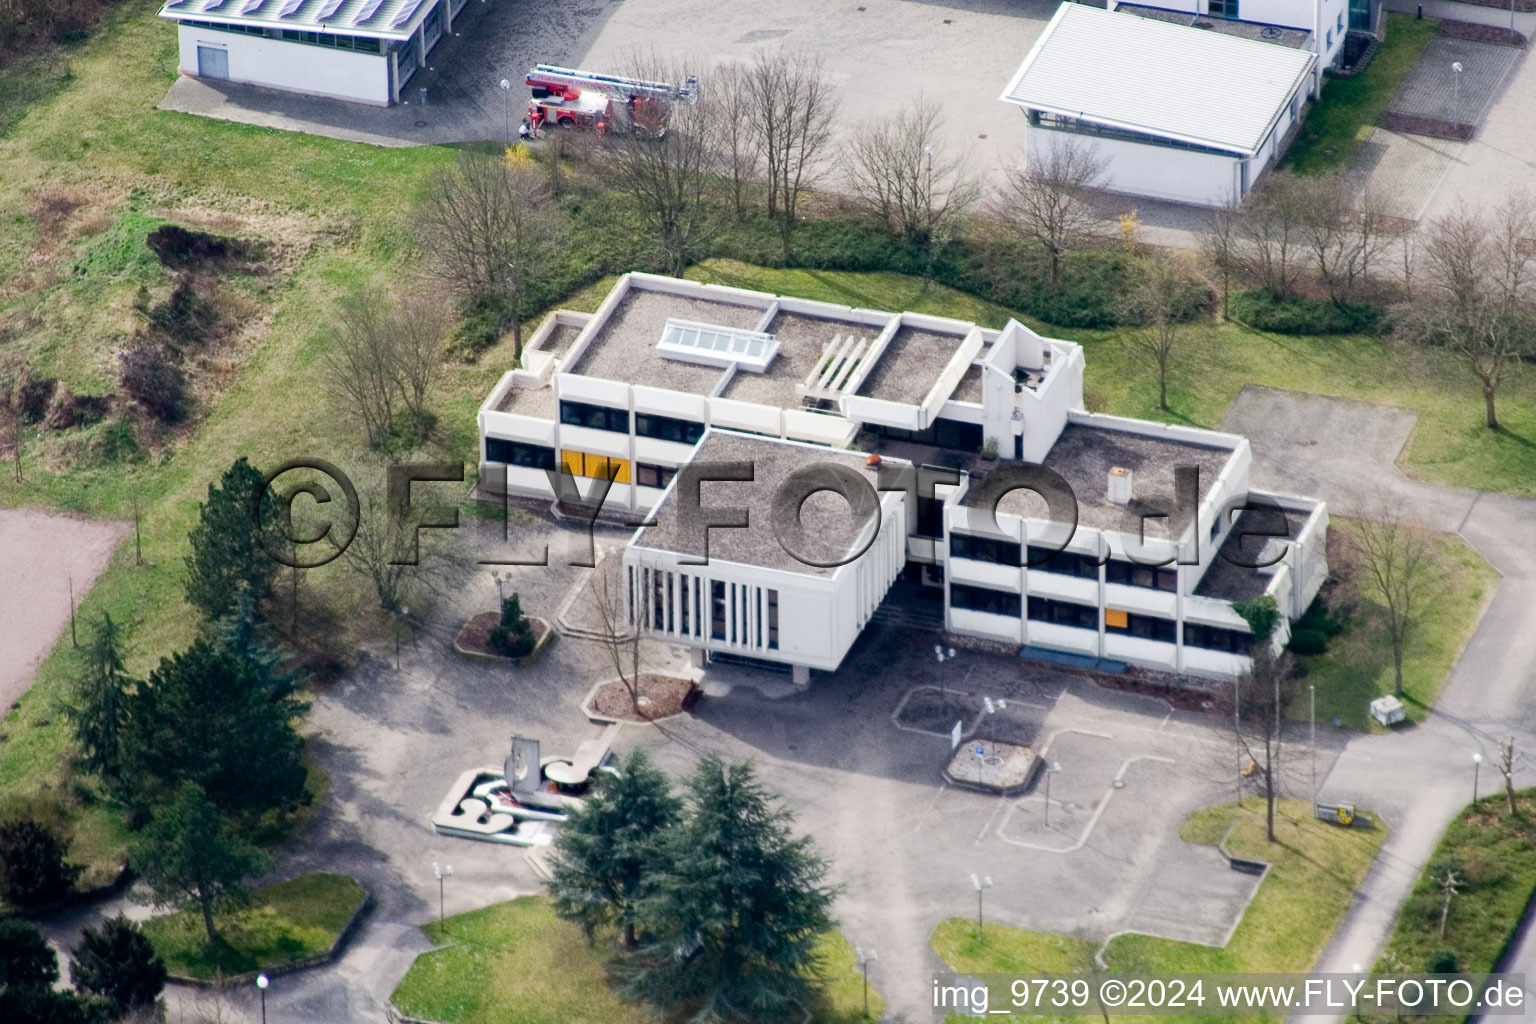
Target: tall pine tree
{"points": [[607, 851], [227, 557], [207, 716], [99, 702], [733, 913], [189, 856]]}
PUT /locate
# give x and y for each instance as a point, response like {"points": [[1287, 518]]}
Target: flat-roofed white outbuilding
{"points": [[359, 50], [1175, 112]]}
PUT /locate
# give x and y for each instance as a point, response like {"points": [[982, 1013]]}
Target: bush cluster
{"points": [[147, 375], [1263, 312]]}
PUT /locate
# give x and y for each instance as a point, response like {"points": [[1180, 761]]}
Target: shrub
{"points": [[513, 636], [1320, 618], [1308, 641], [117, 962], [178, 247], [989, 450], [26, 959], [33, 872], [1263, 312], [187, 315], [482, 321], [1442, 962], [147, 376]]}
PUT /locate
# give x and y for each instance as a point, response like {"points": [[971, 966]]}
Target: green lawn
{"points": [[1315, 869], [297, 918], [1494, 855], [1357, 667], [1340, 122], [517, 963]]}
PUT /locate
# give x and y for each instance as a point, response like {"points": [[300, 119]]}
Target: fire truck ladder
{"points": [[550, 74]]}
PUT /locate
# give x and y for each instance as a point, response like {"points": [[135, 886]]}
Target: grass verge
{"points": [[297, 918], [1314, 870], [1493, 853], [1338, 124], [1357, 667], [518, 961]]}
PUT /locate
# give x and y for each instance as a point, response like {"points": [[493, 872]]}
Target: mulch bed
{"points": [[476, 634], [1480, 33], [1433, 127], [660, 697]]}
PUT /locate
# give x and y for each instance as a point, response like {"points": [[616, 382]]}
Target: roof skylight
{"points": [[694, 342]]}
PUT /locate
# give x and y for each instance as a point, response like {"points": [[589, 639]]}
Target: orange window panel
{"points": [[1116, 618], [572, 463]]}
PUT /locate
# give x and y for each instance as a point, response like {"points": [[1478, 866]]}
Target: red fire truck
{"points": [[569, 98]]}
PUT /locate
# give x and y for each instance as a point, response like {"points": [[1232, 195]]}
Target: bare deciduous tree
{"points": [[741, 149], [901, 169], [670, 177], [1391, 554], [386, 352], [621, 624], [1218, 244], [1253, 712], [489, 228], [386, 550], [792, 113], [1157, 307], [1047, 201], [1509, 758], [1478, 295]]}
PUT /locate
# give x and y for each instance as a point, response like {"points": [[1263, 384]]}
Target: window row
{"points": [[984, 549], [1130, 574], [1214, 638], [1084, 616], [519, 453], [983, 599], [691, 606], [594, 417], [668, 428]]}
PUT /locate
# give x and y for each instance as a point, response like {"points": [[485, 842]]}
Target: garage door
{"points": [[212, 62]]}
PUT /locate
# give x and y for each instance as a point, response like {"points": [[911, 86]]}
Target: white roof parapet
{"points": [[375, 19], [1143, 75]]}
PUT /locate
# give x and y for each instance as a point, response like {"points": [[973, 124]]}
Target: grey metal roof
{"points": [[1187, 84], [379, 19]]}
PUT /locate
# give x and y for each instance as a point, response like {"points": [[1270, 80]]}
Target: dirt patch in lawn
{"points": [[659, 697], [40, 556]]}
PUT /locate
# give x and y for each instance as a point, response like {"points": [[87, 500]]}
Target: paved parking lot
{"points": [[880, 54]]}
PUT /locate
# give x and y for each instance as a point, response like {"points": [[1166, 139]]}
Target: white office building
{"points": [[364, 51], [1173, 111], [1140, 564]]}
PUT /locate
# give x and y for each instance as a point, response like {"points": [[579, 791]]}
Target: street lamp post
{"points": [[866, 955], [981, 885], [1477, 772], [262, 983], [402, 613], [506, 90], [1312, 701], [442, 871], [1050, 769], [1456, 91], [943, 654]]}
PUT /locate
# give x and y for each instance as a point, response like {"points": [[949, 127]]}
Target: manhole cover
{"points": [[421, 124], [644, 702], [1119, 783], [992, 761]]}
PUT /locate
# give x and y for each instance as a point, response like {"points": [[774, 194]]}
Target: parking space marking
{"points": [[1093, 820], [921, 818], [990, 818]]}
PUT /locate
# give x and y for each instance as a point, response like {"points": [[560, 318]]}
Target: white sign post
{"points": [[954, 734]]}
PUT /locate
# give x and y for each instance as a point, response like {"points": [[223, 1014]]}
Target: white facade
{"points": [[256, 60], [598, 401], [1189, 115], [361, 51]]}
